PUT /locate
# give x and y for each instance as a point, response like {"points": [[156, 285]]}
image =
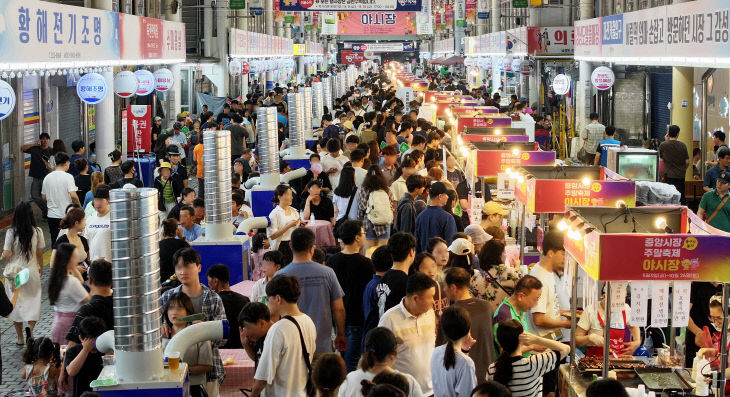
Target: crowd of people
{"points": [[415, 300]]}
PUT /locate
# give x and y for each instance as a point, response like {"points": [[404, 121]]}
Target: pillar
{"points": [[222, 46], [496, 16], [105, 119], [16, 124], [583, 87], [269, 18], [174, 99], [683, 107], [208, 29]]}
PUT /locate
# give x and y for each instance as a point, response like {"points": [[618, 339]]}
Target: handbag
{"points": [[336, 229], [310, 386]]}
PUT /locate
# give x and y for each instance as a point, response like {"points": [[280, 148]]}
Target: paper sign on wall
{"points": [[505, 188], [639, 302], [618, 296], [659, 304], [680, 303]]}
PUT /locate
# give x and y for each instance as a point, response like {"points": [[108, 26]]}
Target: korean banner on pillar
{"points": [[139, 128], [460, 13], [424, 21], [328, 22], [376, 23]]}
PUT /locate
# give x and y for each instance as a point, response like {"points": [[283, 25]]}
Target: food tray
{"points": [[623, 368], [662, 379]]}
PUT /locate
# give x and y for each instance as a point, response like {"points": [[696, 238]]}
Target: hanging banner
{"points": [[125, 84], [92, 88], [7, 99], [483, 9], [471, 11], [491, 162], [680, 303], [350, 57], [329, 22], [408, 46], [424, 19], [405, 94], [603, 78], [139, 128], [376, 23], [163, 79], [149, 38], [639, 302], [618, 296], [553, 195], [460, 13], [550, 40], [146, 82], [353, 5], [659, 304]]}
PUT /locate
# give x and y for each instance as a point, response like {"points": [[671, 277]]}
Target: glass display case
{"points": [[638, 164]]}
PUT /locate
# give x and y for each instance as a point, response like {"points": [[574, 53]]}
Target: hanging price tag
{"points": [[639, 302], [680, 303], [618, 296], [659, 304]]}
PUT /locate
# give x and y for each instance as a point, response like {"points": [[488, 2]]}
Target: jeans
{"points": [[353, 352]]}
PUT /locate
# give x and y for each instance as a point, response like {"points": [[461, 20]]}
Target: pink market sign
{"points": [[7, 99], [125, 84], [163, 79], [146, 82], [603, 78]]}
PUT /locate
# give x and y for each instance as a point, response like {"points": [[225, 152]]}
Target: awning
{"points": [[455, 60], [437, 61]]}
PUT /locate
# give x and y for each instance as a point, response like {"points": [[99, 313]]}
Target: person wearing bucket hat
{"points": [[492, 214], [478, 236], [168, 188], [714, 204]]}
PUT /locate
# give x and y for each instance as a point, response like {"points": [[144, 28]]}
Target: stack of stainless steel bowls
{"points": [[317, 100], [308, 112], [297, 123], [217, 176]]}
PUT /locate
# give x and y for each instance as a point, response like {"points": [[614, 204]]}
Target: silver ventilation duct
{"points": [[297, 123], [217, 177], [136, 278], [308, 113], [267, 128]]}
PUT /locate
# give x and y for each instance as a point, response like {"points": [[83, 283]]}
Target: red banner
{"points": [[139, 128], [551, 196], [356, 58], [376, 23], [492, 162]]}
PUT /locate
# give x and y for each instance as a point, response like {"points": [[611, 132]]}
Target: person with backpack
{"points": [[434, 221], [406, 212], [345, 198], [375, 208]]}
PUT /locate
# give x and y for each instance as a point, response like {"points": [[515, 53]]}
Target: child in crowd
{"points": [[83, 361], [259, 246], [199, 356], [271, 262], [452, 371], [42, 366]]}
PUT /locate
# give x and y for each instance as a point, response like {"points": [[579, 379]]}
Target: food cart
{"points": [[659, 244]]}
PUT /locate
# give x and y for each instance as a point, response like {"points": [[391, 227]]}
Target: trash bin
{"points": [[146, 168]]}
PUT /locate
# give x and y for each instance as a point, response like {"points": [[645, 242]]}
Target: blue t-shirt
{"points": [[711, 176], [320, 288], [193, 233], [456, 381], [282, 119], [604, 145], [433, 222]]}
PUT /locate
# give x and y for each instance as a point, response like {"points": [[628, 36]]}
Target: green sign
{"points": [[288, 18], [461, 23], [238, 4], [519, 3]]}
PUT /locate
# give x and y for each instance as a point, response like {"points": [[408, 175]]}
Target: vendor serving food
{"points": [[624, 338]]}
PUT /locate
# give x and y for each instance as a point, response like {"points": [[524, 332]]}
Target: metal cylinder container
{"points": [[327, 94], [134, 231], [308, 112], [297, 123], [217, 176], [267, 127], [317, 100]]}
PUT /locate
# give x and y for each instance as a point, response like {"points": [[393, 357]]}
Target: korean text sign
{"points": [[376, 23], [350, 5], [484, 121], [139, 128], [551, 196], [492, 162]]}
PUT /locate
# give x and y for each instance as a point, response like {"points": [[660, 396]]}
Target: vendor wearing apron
{"points": [[624, 339], [713, 333]]}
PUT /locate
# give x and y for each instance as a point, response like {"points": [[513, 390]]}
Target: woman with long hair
{"points": [[283, 219], [493, 280], [372, 186], [380, 353], [97, 178], [83, 179], [23, 249], [75, 223], [452, 371], [374, 153], [66, 290], [523, 375], [345, 196], [328, 374], [260, 245]]}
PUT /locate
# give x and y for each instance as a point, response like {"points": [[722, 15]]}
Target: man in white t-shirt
{"points": [[282, 370], [59, 190], [333, 162], [546, 315], [357, 159], [98, 226], [414, 321]]}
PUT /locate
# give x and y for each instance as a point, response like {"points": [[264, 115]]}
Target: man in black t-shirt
{"points": [[179, 172], [239, 136], [354, 271], [317, 204], [40, 153], [392, 287], [225, 116], [254, 322], [218, 280], [83, 361], [100, 305]]}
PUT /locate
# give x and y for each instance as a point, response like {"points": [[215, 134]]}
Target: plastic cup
{"points": [[107, 360], [173, 360]]}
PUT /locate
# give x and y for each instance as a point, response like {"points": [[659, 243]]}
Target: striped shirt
{"points": [[527, 373], [593, 134]]}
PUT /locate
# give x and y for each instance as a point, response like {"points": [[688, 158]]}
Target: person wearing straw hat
{"points": [[168, 188]]}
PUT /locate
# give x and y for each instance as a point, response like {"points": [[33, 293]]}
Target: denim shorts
{"points": [[370, 235]]}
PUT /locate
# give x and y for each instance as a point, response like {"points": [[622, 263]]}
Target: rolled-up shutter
{"points": [[31, 128], [69, 117]]}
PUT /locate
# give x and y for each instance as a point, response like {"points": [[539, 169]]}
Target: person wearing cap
{"points": [[381, 351], [168, 188], [179, 171], [714, 204], [492, 215], [461, 252], [156, 129], [98, 231], [434, 221], [321, 207], [178, 138]]}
